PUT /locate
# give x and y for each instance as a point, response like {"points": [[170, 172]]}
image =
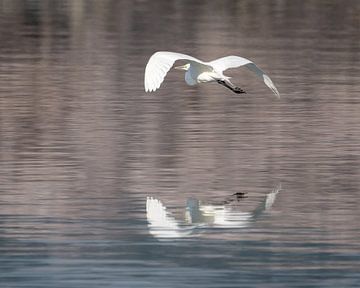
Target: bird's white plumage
{"points": [[252, 66], [158, 66], [228, 62], [198, 71]]}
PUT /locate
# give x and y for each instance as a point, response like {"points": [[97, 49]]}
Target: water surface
{"points": [[83, 147]]}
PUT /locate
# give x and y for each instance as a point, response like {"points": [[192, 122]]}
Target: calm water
{"points": [[104, 185]]}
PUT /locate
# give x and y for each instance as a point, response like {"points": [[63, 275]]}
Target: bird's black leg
{"points": [[231, 86]]}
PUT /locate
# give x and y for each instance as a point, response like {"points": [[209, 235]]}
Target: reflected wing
{"points": [[270, 198], [228, 62], [161, 223], [158, 66], [267, 203], [158, 216]]}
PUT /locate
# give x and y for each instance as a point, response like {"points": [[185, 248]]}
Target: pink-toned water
{"points": [[82, 145]]}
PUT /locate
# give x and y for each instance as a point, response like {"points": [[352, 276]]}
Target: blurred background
{"points": [[82, 145]]}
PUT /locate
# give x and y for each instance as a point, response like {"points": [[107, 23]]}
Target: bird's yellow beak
{"points": [[184, 67]]}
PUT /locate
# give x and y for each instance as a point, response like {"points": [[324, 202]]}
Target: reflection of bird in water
{"points": [[198, 216], [215, 215], [198, 71]]}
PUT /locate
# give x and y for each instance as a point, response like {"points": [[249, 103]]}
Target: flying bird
{"points": [[198, 71]]}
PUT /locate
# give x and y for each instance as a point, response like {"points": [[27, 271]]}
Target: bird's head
{"points": [[184, 67]]}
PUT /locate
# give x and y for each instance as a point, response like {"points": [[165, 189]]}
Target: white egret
{"points": [[198, 71]]}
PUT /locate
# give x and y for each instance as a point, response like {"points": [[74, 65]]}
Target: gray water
{"points": [[241, 190]]}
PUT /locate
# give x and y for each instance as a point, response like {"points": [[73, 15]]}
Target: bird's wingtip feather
{"points": [[271, 85]]}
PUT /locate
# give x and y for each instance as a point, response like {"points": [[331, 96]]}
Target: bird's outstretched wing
{"points": [[228, 62], [158, 66]]}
